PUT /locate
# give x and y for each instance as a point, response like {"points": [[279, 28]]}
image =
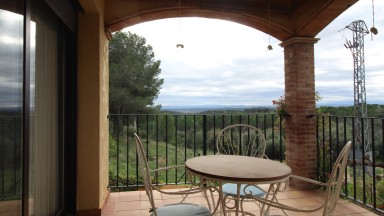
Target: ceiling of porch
{"points": [[282, 19]]}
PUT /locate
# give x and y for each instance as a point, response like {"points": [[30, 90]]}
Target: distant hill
{"points": [[10, 111], [373, 110], [210, 109]]}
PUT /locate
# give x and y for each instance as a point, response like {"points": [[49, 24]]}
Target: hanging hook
{"points": [[373, 29], [179, 45], [269, 47]]}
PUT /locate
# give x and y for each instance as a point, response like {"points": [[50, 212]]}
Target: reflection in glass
{"points": [[11, 95], [44, 183]]}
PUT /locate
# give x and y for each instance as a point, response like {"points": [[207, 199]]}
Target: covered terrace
{"points": [[294, 22]]}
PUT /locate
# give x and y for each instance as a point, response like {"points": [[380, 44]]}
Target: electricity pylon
{"points": [[359, 30]]}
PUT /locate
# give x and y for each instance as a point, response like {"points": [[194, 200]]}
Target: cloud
{"points": [[11, 59]]}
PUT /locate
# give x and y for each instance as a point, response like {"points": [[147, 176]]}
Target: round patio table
{"points": [[238, 170]]}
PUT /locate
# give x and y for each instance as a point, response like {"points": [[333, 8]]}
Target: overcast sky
{"points": [[11, 47], [225, 63]]}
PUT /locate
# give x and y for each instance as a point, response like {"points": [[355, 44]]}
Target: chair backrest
{"points": [[241, 139], [335, 180], [144, 171]]}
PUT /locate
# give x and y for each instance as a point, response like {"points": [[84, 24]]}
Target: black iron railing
{"points": [[364, 179], [10, 157], [172, 139]]}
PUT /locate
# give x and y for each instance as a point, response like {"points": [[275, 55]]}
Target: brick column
{"points": [[300, 102]]}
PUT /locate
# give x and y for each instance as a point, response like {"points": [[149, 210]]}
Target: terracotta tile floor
{"points": [[135, 203]]}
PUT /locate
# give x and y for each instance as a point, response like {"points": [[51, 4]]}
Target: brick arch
{"points": [[258, 23], [288, 19]]}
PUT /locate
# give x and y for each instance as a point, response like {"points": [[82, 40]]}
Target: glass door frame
{"points": [[68, 90]]}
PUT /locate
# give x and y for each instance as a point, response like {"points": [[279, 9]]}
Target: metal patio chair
{"points": [[177, 209], [333, 187], [246, 140]]}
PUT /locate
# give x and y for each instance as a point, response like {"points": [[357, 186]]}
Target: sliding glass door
{"points": [[37, 110]]}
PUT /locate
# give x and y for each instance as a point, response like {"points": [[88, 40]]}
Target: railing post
{"points": [[318, 147], [214, 134], [373, 164], [204, 134], [2, 141], [117, 150], [273, 136]]}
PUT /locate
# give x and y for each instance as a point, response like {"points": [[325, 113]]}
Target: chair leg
{"points": [[272, 191], [241, 206], [207, 199]]}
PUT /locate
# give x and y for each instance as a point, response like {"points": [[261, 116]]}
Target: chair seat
{"points": [[231, 189], [182, 209]]}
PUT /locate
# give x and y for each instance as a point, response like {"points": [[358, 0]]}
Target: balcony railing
{"points": [[172, 139], [10, 157]]}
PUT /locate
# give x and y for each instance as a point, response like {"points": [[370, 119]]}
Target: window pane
{"points": [[11, 95]]}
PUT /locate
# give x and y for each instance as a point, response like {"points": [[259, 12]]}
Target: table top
{"points": [[234, 168]]}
